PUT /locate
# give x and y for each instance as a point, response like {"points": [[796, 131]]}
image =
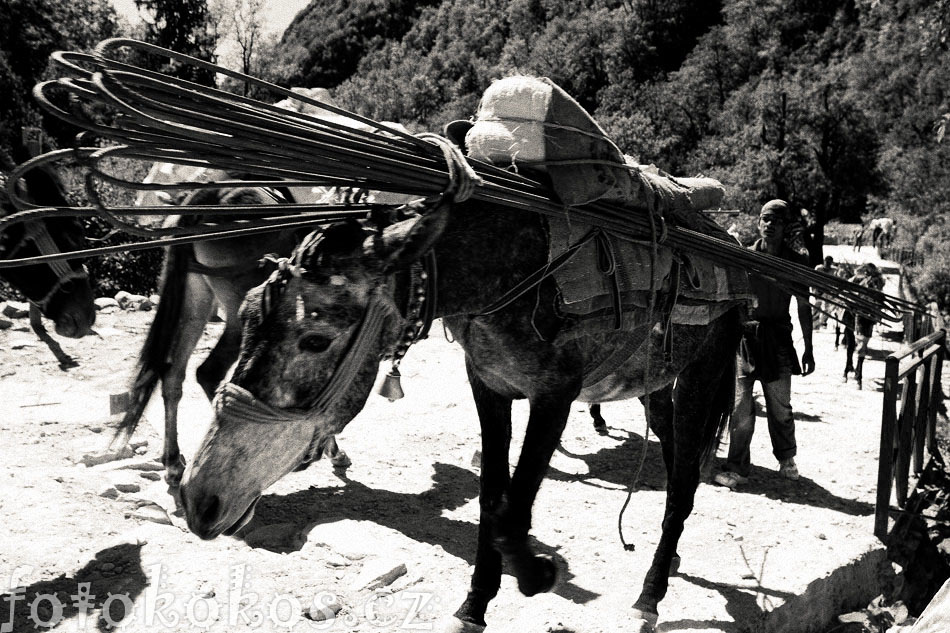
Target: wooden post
{"points": [[905, 429], [937, 393], [922, 417], [886, 453]]}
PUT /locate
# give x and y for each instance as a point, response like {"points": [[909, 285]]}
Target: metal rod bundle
{"points": [[161, 118]]}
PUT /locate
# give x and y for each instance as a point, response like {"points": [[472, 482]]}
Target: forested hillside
{"points": [[831, 104]]}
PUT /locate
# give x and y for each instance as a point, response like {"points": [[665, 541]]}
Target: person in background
{"points": [[767, 354], [869, 276], [823, 308]]}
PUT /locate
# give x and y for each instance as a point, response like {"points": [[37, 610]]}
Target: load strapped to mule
{"points": [[161, 118]]}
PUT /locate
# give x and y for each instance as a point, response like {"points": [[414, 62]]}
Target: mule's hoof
{"points": [[642, 621], [452, 624], [174, 472], [540, 577], [341, 460]]}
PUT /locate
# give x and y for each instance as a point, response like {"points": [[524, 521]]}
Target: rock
{"points": [[103, 303], [130, 302], [150, 475], [16, 310], [146, 465], [5, 324], [151, 512], [105, 456], [109, 492], [324, 611], [377, 574], [128, 487], [153, 299], [137, 444]]}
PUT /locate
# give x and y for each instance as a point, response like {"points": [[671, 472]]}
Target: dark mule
{"points": [[61, 289], [196, 280], [314, 334]]}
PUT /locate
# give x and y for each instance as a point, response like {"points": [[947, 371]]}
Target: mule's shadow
{"points": [[416, 515], [617, 464], [34, 604], [741, 604]]}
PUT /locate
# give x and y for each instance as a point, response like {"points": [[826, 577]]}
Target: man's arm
{"points": [[804, 319]]}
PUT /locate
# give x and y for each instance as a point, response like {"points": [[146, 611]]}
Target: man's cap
{"points": [[775, 206]]}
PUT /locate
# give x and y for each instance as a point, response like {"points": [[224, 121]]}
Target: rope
{"points": [[462, 177]]}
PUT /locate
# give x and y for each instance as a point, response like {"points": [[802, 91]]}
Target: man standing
{"points": [[766, 354]]}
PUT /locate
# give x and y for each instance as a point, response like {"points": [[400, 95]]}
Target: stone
{"points": [[150, 475], [377, 574], [5, 324], [16, 309], [131, 302], [128, 487], [107, 455], [144, 465], [151, 512], [109, 492], [103, 303], [324, 611]]}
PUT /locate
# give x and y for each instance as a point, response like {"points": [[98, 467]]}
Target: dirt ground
{"points": [[89, 544]]}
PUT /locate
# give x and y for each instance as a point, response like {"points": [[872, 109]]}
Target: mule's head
{"points": [[61, 289], [313, 336]]}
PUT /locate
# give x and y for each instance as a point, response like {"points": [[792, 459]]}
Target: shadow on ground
{"points": [[416, 515], [113, 571], [618, 464]]}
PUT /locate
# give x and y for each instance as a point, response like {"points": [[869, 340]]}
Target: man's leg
{"points": [[778, 410], [741, 427]]}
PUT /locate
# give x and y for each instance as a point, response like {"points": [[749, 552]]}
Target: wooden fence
{"points": [[908, 433]]}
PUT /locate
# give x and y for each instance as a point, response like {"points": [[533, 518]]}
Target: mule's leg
{"points": [[196, 310], [212, 370], [659, 408], [600, 424], [494, 414], [512, 521], [703, 392], [337, 456]]}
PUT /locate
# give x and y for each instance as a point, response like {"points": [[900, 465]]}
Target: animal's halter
{"points": [[37, 233]]}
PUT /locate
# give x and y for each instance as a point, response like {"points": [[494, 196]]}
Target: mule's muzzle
{"points": [[75, 324], [207, 515]]}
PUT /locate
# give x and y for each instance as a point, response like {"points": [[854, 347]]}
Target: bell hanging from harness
{"points": [[391, 388]]}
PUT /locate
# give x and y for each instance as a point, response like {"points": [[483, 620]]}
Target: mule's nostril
{"points": [[208, 509]]}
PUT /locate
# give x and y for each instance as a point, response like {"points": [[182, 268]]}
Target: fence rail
{"points": [[907, 433]]}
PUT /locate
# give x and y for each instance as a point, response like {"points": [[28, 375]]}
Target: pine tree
{"points": [[183, 26]]}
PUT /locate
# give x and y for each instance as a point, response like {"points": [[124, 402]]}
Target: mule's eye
{"points": [[314, 343]]}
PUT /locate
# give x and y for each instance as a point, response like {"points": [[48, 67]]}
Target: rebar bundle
{"points": [[157, 117]]}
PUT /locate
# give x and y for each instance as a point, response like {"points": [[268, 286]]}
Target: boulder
{"points": [[16, 309]]}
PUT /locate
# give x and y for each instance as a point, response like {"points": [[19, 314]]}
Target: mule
{"points": [[61, 290], [198, 279], [313, 335]]}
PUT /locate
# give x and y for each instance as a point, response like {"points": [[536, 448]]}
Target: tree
{"points": [[246, 45], [29, 31], [183, 26]]}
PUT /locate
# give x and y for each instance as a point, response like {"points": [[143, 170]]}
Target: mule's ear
{"points": [[407, 241]]}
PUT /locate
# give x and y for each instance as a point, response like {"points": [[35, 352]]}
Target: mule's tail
{"points": [[720, 411], [153, 360]]}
